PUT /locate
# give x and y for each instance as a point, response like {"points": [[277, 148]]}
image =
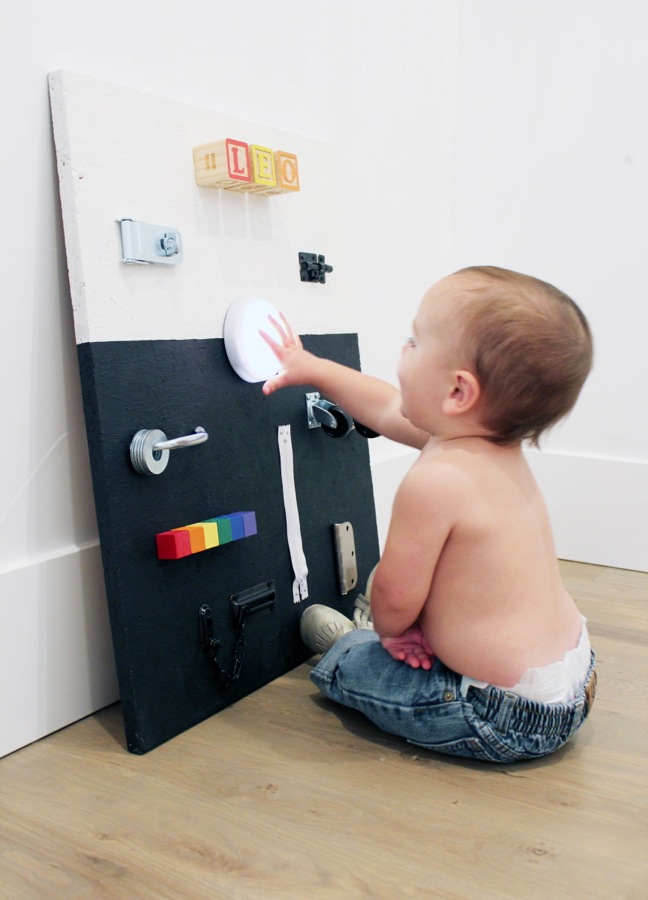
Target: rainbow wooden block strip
{"points": [[200, 536], [237, 166]]}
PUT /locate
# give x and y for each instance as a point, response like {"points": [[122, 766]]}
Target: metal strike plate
{"points": [[347, 565], [146, 244]]}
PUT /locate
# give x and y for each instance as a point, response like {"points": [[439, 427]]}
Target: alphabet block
{"points": [[287, 172], [237, 166], [262, 164], [222, 164]]}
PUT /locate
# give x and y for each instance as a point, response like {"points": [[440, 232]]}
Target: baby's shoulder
{"points": [[463, 466], [439, 473]]}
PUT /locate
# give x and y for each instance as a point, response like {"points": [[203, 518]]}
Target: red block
{"points": [[173, 544]]}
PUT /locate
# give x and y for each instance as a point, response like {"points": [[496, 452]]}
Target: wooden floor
{"points": [[286, 796]]}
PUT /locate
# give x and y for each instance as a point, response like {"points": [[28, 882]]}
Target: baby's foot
{"points": [[321, 626]]}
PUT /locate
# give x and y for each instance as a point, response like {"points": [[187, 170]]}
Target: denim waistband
{"points": [[510, 712]]}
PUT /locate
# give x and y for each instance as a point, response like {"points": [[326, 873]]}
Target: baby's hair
{"points": [[530, 347]]}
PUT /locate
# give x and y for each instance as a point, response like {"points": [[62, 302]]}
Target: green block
{"points": [[224, 529]]}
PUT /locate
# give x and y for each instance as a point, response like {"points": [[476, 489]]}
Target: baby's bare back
{"points": [[497, 605]]}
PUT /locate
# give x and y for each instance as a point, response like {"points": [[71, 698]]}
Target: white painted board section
{"points": [[126, 154]]}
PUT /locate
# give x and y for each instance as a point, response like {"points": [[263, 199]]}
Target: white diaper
{"points": [[557, 682]]}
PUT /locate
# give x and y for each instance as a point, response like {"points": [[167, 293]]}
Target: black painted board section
{"points": [[166, 681]]}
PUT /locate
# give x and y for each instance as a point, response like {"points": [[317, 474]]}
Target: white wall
{"points": [[551, 178], [379, 78]]}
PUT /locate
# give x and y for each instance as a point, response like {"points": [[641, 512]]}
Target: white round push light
{"points": [[248, 353]]}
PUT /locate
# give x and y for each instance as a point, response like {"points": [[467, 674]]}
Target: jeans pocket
{"points": [[468, 748], [515, 745]]}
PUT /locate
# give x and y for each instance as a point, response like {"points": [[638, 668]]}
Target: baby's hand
{"points": [[410, 647], [296, 363]]}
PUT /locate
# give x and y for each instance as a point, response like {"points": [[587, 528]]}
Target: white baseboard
{"points": [[598, 507], [56, 656]]}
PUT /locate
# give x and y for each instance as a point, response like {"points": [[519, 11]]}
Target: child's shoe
{"points": [[370, 582], [362, 606], [321, 626], [362, 612]]}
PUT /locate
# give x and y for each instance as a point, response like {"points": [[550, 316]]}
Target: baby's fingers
{"points": [[293, 338], [287, 336], [276, 348], [274, 384]]}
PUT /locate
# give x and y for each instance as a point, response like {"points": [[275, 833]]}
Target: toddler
{"points": [[473, 646]]}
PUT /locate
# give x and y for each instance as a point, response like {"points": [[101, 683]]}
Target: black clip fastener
{"points": [[242, 606]]}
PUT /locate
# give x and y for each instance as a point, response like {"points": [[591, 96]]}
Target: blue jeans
{"points": [[427, 708]]}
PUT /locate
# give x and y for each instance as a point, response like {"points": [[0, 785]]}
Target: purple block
{"points": [[248, 522]]}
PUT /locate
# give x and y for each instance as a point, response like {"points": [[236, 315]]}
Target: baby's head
{"points": [[528, 345]]}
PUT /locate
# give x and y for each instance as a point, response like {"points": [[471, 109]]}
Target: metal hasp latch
{"points": [[243, 605], [313, 267], [327, 416], [149, 449], [146, 244]]}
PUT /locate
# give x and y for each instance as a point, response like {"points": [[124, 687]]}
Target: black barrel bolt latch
{"points": [[313, 267]]}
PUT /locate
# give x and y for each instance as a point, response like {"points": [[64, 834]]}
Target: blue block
{"points": [[246, 524]]}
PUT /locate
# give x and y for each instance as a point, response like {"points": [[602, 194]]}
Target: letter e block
{"points": [[263, 170]]}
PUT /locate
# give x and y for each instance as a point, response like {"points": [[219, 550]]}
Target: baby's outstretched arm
{"points": [[369, 400]]}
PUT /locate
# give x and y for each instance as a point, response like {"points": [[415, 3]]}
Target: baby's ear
{"points": [[463, 394]]}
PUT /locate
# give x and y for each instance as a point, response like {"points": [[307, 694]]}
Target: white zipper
{"points": [[300, 568]]}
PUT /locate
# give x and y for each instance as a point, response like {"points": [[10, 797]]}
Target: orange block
{"points": [[287, 172], [196, 537]]}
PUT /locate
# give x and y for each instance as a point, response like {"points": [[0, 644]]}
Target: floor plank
{"points": [[285, 795]]}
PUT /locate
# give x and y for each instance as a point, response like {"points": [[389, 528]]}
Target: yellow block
{"points": [[263, 169], [211, 534]]}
